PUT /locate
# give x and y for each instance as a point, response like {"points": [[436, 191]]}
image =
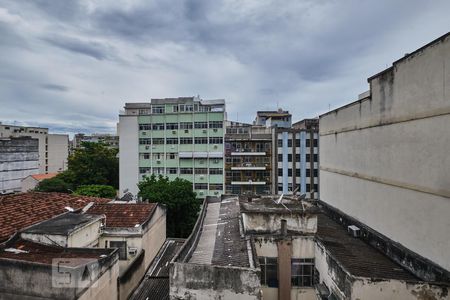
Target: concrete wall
{"points": [[203, 282], [302, 247], [25, 280], [384, 160], [271, 223], [58, 151], [19, 158], [29, 183], [128, 154]]}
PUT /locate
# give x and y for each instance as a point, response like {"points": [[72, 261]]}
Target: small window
{"points": [[290, 172], [289, 143], [308, 142], [302, 272], [308, 172], [269, 271], [289, 157], [315, 142], [122, 246], [280, 143], [297, 143], [297, 157], [280, 157], [315, 171], [280, 172], [316, 157]]}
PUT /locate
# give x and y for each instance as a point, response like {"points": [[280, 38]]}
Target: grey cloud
{"points": [[92, 49], [55, 87]]}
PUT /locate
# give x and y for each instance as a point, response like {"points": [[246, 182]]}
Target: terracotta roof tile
{"points": [[40, 177], [124, 215], [21, 210]]}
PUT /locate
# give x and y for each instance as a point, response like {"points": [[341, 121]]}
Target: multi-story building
{"points": [[174, 137], [248, 159], [280, 118], [384, 161], [53, 148], [111, 140], [19, 158], [296, 157]]}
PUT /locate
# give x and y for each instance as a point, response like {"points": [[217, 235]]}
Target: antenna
{"points": [[279, 202]]}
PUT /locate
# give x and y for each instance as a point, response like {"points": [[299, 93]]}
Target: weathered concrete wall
{"points": [[202, 282], [58, 151], [302, 247], [396, 290], [27, 184], [271, 223], [24, 280], [129, 148], [384, 160], [131, 277]]}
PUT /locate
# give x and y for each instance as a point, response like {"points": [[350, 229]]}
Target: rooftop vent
{"points": [[354, 231]]}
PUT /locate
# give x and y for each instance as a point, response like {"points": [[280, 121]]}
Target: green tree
{"points": [[96, 190], [54, 184], [93, 164], [181, 201]]}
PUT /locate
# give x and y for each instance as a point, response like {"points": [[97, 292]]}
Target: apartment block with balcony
{"points": [[248, 159], [296, 157], [174, 137]]}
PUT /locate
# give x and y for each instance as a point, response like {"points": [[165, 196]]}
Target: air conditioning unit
{"points": [[216, 193], [172, 147], [132, 251], [216, 161], [202, 176], [147, 147], [201, 162], [354, 231], [215, 129], [144, 133], [158, 161], [174, 131], [215, 146], [153, 147], [204, 131], [186, 131], [201, 192]]}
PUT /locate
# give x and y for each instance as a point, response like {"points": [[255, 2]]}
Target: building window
{"points": [[122, 246], [297, 172], [289, 157], [171, 126], [302, 272], [158, 109], [308, 172], [315, 142], [308, 142], [158, 171], [145, 141], [215, 187], [145, 156], [215, 124], [280, 172], [316, 188], [269, 271], [201, 171], [297, 157], [280, 143], [172, 171], [189, 107], [185, 141], [297, 143], [175, 108], [316, 157], [185, 170], [144, 170], [158, 126], [171, 155], [216, 140], [145, 127], [158, 141], [215, 171], [201, 186], [308, 187], [201, 140], [200, 125], [185, 125], [290, 172], [172, 141], [308, 158], [289, 143], [280, 187], [280, 157], [315, 172]]}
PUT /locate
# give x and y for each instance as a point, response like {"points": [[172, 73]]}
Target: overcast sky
{"points": [[71, 65]]}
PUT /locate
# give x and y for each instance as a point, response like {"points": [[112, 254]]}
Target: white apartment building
{"points": [[53, 148]]}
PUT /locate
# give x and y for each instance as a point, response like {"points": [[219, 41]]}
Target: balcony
{"points": [[250, 182], [247, 152], [249, 167]]}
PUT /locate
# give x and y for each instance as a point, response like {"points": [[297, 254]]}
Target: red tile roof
{"points": [[40, 177], [124, 215], [45, 254], [21, 210]]}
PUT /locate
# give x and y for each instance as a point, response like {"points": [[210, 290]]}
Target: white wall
{"points": [[385, 161], [128, 154], [58, 151]]}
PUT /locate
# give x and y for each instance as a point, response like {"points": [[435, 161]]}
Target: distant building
{"points": [[296, 158], [248, 159], [19, 158], [110, 140], [53, 148], [385, 161], [280, 118], [31, 181], [174, 137]]}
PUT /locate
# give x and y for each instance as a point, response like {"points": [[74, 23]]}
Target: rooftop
{"points": [[40, 177], [63, 224], [124, 215], [19, 249], [155, 285], [273, 205], [18, 211], [355, 256]]}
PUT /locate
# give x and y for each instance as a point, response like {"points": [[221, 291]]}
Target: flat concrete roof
{"points": [[63, 224]]}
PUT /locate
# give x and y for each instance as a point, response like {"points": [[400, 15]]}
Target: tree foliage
{"points": [[94, 164], [181, 201], [54, 184], [96, 190]]}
